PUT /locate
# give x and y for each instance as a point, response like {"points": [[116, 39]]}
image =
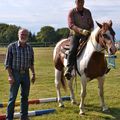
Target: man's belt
{"points": [[21, 71]]}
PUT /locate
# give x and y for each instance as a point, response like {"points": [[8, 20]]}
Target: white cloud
{"points": [[36, 13]]}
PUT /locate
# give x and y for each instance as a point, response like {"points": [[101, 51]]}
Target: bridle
{"points": [[101, 40], [97, 40]]}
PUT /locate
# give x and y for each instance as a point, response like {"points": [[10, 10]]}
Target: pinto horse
{"points": [[90, 64]]}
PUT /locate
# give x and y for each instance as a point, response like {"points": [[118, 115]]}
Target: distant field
{"points": [[44, 87]]}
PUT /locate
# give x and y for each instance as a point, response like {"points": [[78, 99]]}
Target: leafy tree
{"points": [[32, 37], [47, 34], [9, 33], [3, 28], [63, 32]]}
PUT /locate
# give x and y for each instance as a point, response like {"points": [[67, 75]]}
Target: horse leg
{"points": [[57, 85], [70, 84], [101, 93], [83, 94]]}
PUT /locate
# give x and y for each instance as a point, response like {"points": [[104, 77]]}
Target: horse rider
{"points": [[81, 24]]}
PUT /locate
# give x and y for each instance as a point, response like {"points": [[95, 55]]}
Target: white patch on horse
{"points": [[65, 62], [84, 58]]}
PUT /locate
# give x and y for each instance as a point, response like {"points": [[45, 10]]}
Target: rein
{"points": [[97, 47]]}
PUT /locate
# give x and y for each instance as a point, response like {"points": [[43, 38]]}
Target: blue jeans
{"points": [[22, 80], [74, 43]]}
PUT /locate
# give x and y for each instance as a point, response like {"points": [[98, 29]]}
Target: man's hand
{"points": [[84, 32], [11, 79], [33, 78]]}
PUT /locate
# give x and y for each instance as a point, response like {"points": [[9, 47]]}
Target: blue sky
{"points": [[34, 14]]}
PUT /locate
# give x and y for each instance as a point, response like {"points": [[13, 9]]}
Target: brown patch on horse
{"points": [[96, 66], [59, 58]]}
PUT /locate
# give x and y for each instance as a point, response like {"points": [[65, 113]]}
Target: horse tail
{"points": [[63, 80]]}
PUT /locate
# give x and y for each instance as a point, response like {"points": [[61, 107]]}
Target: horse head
{"points": [[106, 37]]}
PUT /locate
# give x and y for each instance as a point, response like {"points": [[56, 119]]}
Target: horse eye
{"points": [[106, 36]]}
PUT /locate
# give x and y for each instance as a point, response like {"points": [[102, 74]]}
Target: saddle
{"points": [[65, 49]]}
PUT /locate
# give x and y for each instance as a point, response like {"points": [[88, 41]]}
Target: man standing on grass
{"points": [[19, 59]]}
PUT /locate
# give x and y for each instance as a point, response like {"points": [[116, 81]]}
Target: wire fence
{"points": [[33, 44]]}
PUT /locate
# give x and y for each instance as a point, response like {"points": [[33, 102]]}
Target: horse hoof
{"points": [[107, 111], [81, 113], [61, 106]]}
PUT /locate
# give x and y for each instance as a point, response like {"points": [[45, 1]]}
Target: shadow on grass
{"points": [[92, 112], [114, 112]]}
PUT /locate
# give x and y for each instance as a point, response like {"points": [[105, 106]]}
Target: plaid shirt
{"points": [[19, 58], [84, 21]]}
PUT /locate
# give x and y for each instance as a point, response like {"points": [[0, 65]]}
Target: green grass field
{"points": [[44, 87]]}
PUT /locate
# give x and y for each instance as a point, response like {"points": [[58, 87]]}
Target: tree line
{"points": [[47, 34]]}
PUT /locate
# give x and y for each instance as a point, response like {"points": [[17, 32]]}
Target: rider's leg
{"points": [[74, 43]]}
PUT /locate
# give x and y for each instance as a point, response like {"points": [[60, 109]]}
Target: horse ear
{"points": [[110, 23], [99, 24]]}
